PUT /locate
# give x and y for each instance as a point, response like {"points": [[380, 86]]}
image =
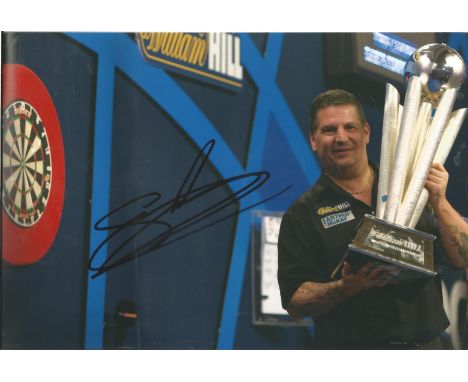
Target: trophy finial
{"points": [[439, 67]]}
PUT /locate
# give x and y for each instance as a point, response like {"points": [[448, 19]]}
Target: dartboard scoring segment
{"points": [[27, 164]]}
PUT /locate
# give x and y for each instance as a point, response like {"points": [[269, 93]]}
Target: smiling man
{"points": [[339, 134], [366, 309]]}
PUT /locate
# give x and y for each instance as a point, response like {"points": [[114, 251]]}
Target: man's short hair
{"points": [[333, 97]]}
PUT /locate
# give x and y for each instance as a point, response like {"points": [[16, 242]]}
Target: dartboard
{"points": [[27, 166], [33, 167]]}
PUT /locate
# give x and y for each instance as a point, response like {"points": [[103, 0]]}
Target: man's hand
{"points": [[370, 275], [436, 184], [453, 228], [314, 299]]}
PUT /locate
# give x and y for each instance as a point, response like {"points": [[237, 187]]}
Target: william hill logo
{"points": [[213, 57]]}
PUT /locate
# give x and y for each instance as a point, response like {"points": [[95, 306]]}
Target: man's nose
{"points": [[341, 135]]}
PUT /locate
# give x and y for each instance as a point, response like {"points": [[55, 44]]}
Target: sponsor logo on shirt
{"points": [[338, 207], [339, 218]]}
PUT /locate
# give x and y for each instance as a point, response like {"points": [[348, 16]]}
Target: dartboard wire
{"points": [[16, 125], [9, 162], [31, 177], [10, 181], [25, 145], [36, 190], [11, 143], [27, 191], [36, 145], [29, 202], [35, 187], [27, 130], [23, 186], [23, 191], [26, 180], [34, 166], [17, 200], [22, 138]]}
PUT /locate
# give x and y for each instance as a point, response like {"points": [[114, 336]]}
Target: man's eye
{"points": [[350, 127], [328, 131]]}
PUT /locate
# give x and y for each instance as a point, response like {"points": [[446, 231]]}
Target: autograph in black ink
{"points": [[152, 213]]}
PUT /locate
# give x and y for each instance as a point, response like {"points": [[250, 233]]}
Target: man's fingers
{"points": [[377, 273], [438, 171], [391, 270], [371, 274], [346, 269], [384, 280], [434, 177], [438, 166]]}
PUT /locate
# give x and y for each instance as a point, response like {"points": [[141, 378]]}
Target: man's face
{"points": [[340, 138]]}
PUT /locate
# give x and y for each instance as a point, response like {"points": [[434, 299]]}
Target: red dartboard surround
{"points": [[33, 173]]}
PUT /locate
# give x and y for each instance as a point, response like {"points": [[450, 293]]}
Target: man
{"points": [[367, 308]]}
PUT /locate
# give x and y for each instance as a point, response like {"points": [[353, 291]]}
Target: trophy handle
{"points": [[389, 139], [402, 154]]}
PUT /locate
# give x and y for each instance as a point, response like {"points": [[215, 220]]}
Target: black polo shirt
{"points": [[314, 235]]}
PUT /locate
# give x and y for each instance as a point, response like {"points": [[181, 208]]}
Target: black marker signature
{"points": [[152, 213]]}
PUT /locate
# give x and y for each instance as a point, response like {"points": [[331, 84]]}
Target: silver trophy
{"points": [[414, 136]]}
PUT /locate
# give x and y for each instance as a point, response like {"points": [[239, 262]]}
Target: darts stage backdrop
{"points": [[132, 164]]}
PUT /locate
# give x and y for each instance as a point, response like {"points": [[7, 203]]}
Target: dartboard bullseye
{"points": [[33, 167], [27, 165]]}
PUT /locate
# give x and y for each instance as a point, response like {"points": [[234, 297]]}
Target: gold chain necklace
{"points": [[371, 180]]}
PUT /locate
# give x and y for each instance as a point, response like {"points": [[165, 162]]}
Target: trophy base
{"points": [[409, 252]]}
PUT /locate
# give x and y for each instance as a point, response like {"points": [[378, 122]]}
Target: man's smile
{"points": [[342, 149]]}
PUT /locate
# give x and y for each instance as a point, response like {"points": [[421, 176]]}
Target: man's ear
{"points": [[312, 141], [367, 132]]}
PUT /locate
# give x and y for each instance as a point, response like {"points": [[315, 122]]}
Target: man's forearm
{"points": [[454, 234], [313, 299]]}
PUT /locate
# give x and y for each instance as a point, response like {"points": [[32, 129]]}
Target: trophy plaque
{"points": [[407, 251], [414, 136]]}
